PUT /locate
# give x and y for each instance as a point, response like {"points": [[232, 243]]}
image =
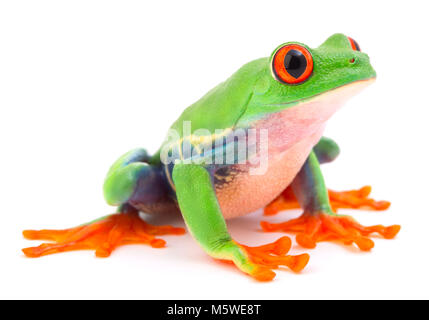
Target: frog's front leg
{"points": [[203, 216], [326, 150], [130, 179], [319, 222]]}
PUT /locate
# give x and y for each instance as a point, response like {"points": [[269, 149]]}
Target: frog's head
{"points": [[297, 75]]}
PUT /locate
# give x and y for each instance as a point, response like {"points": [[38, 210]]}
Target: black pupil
{"points": [[295, 63]]}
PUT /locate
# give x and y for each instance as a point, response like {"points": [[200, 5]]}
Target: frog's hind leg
{"points": [[130, 182], [327, 151]]}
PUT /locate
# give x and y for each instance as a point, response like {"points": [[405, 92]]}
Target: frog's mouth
{"points": [[319, 108], [342, 92]]}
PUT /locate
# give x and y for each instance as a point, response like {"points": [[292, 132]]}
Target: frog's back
{"points": [[218, 110]]}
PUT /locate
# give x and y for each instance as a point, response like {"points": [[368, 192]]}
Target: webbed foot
{"points": [[316, 227], [350, 199], [103, 236], [259, 262]]}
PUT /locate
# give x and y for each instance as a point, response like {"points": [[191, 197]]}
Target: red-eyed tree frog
{"points": [[254, 141]]}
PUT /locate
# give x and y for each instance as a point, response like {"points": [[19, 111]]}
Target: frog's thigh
{"points": [[123, 175], [326, 150]]}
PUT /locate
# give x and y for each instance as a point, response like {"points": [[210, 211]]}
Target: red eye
{"points": [[354, 44], [292, 64]]}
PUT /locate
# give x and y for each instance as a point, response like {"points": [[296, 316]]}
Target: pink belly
{"points": [[247, 193]]}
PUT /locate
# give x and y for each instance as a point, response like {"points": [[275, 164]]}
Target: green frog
{"points": [[254, 141]]}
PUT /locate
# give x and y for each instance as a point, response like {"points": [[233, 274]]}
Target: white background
{"points": [[81, 82]]}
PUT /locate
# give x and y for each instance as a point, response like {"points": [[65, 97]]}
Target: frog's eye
{"points": [[354, 44], [292, 64]]}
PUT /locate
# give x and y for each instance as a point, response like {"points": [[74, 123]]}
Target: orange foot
{"points": [[272, 256], [351, 199], [103, 236], [317, 227], [259, 261]]}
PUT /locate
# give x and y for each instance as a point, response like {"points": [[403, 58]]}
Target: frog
{"points": [[253, 142]]}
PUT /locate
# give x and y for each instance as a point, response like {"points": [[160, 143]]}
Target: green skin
{"points": [[250, 94]]}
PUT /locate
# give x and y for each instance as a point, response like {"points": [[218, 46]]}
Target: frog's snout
{"points": [[359, 62]]}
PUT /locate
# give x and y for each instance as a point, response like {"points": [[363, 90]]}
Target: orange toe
{"points": [[356, 199], [350, 199], [103, 236], [318, 227], [263, 274], [285, 201], [272, 256]]}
